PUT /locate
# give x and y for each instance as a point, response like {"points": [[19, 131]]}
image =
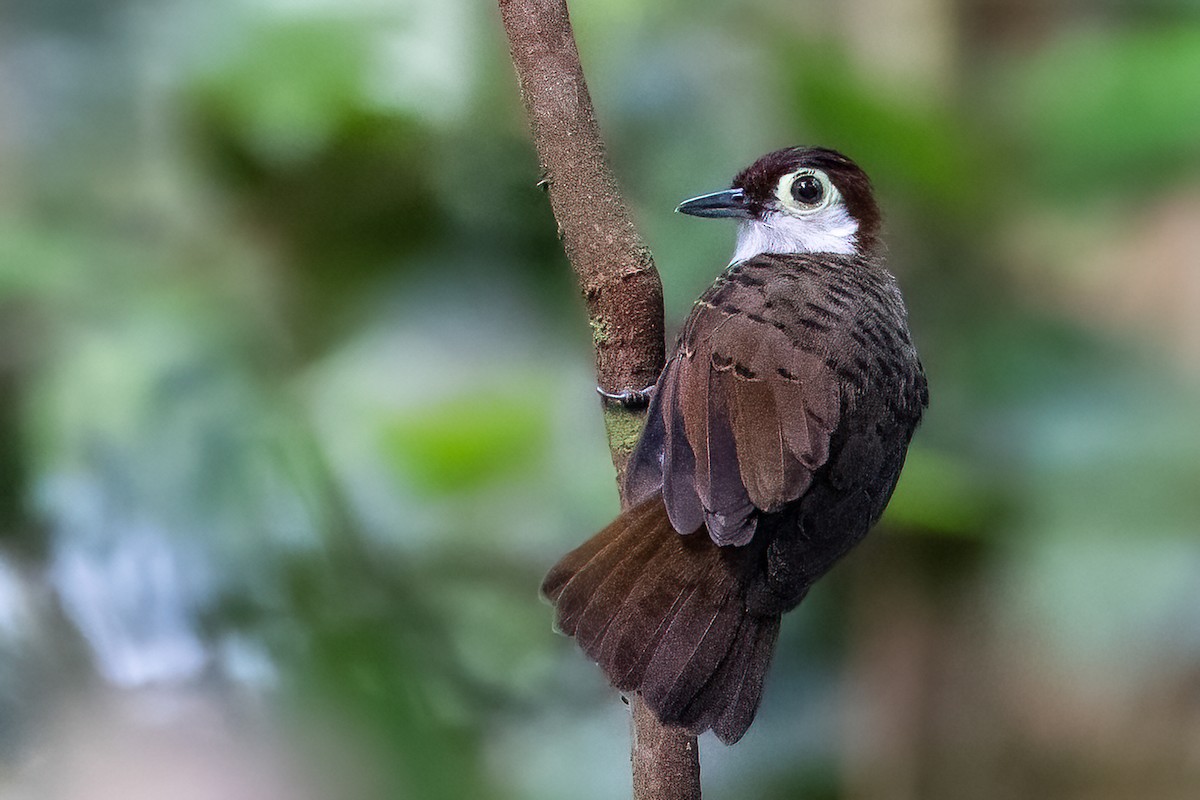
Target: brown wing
{"points": [[745, 408]]}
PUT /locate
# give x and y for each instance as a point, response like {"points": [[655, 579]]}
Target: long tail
{"points": [[665, 615]]}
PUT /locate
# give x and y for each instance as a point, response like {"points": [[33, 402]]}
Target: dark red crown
{"points": [[760, 179]]}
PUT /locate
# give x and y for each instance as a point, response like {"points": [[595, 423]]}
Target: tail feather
{"points": [[729, 701], [743, 702], [693, 646], [609, 596], [570, 564], [665, 615], [709, 703], [633, 637]]}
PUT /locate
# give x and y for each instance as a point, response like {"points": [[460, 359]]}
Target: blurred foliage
{"points": [[1110, 115], [296, 395], [931, 154], [468, 441]]}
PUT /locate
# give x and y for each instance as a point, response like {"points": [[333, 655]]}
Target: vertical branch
{"points": [[615, 270], [618, 280], [666, 760]]}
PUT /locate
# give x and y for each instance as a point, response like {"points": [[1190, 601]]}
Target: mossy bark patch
{"points": [[624, 427], [600, 333]]}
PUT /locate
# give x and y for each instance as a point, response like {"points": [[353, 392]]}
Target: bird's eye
{"points": [[808, 190]]}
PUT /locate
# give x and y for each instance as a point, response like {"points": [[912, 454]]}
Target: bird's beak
{"points": [[729, 203]]}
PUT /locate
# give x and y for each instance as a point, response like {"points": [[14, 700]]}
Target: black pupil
{"points": [[807, 189]]}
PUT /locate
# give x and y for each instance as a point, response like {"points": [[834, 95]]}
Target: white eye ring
{"points": [[783, 192]]}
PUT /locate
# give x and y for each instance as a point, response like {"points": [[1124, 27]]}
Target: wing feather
{"points": [[745, 409], [678, 461]]}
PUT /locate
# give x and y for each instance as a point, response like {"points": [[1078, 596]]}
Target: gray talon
{"points": [[630, 398]]}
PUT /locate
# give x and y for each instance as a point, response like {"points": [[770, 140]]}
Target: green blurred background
{"points": [[296, 400]]}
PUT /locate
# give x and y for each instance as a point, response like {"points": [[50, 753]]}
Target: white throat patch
{"points": [[830, 230]]}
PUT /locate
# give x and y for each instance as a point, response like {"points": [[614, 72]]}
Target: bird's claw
{"points": [[630, 398]]}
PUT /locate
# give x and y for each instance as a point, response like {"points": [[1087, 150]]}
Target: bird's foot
{"points": [[630, 398]]}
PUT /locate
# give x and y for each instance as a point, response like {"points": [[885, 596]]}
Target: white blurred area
{"points": [[72, 736], [183, 745], [154, 744]]}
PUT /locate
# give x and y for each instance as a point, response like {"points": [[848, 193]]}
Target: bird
{"points": [[773, 441]]}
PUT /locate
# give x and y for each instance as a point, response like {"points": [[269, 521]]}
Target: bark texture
{"points": [[666, 761], [615, 269], [619, 283]]}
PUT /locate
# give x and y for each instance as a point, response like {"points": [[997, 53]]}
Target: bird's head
{"points": [[797, 200]]}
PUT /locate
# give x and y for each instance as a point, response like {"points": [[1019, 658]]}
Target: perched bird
{"points": [[775, 436]]}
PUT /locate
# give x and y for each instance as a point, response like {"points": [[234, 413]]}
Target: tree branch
{"points": [[622, 289], [615, 270], [666, 760]]}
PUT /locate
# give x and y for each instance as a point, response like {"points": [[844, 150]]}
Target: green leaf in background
{"points": [[291, 85], [466, 442], [941, 494], [910, 141], [1109, 112]]}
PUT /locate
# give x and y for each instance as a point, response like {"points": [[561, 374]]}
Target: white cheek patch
{"points": [[830, 230]]}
